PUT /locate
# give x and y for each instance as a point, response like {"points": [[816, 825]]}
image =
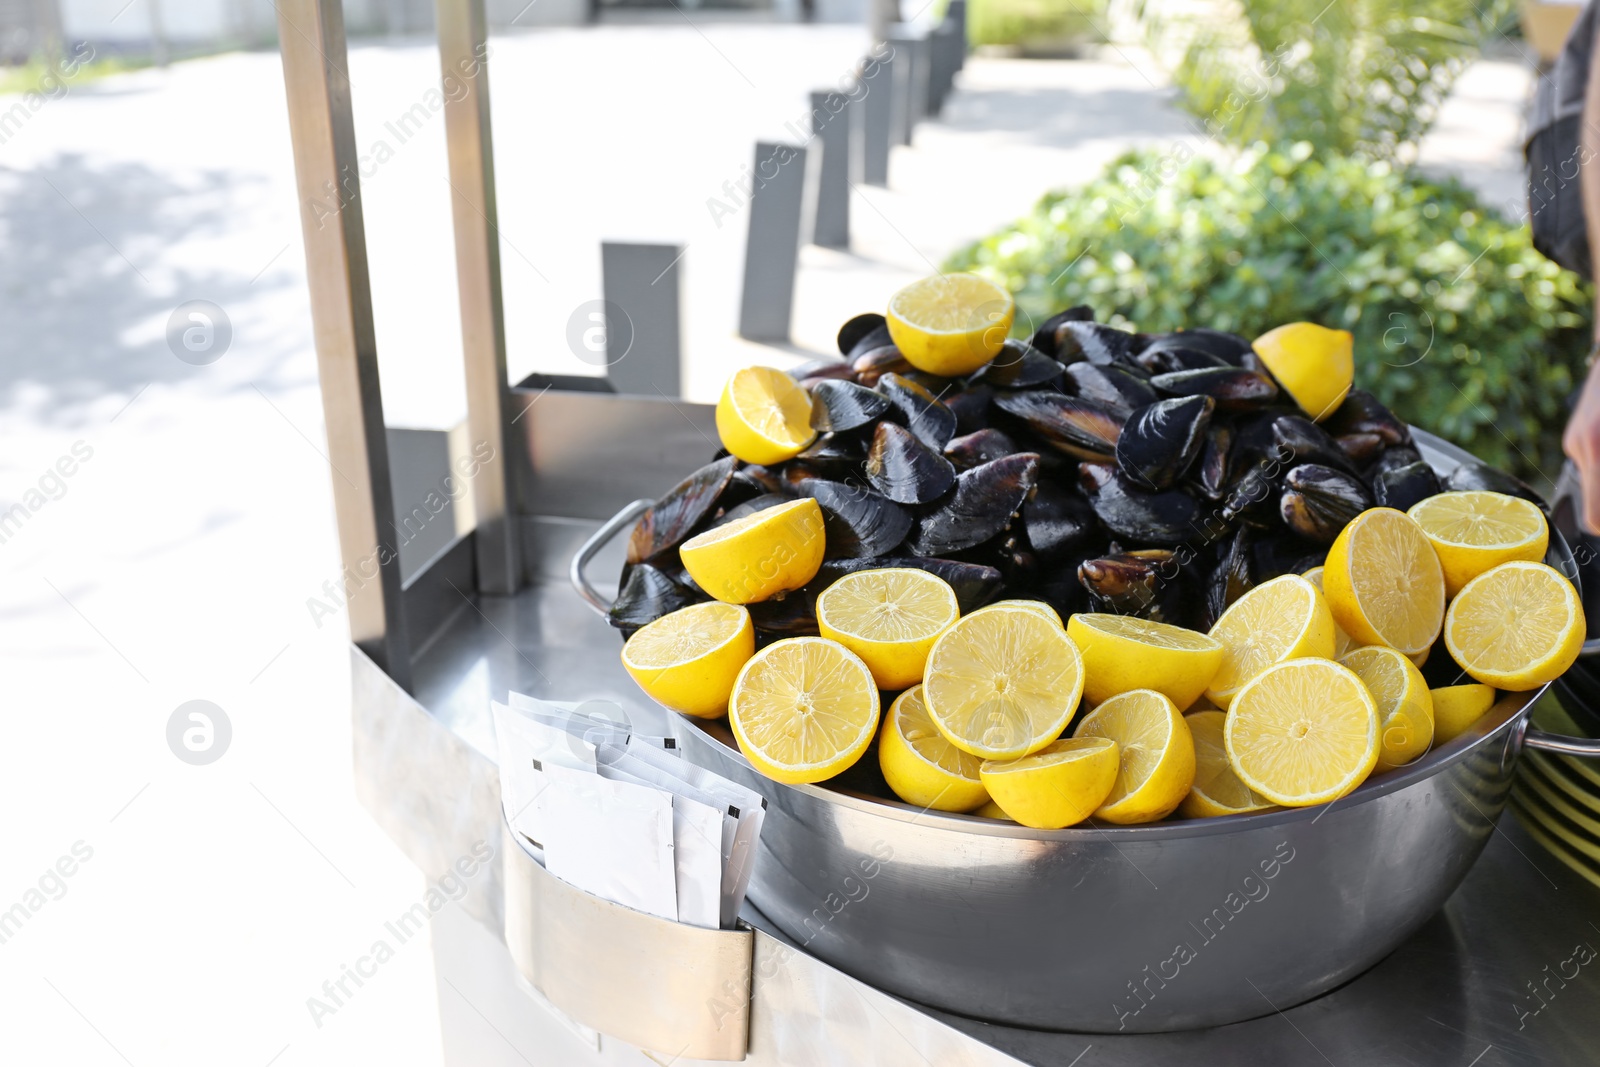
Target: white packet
{"points": [[597, 721], [525, 747], [698, 836], [611, 838]]}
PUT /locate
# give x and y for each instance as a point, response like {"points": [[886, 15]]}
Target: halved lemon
{"points": [[764, 416], [1003, 683], [1216, 789], [1456, 707], [803, 709], [890, 618], [689, 659], [1061, 784], [1474, 530], [1315, 365], [1155, 750], [990, 810], [1279, 620], [950, 324], [1038, 607], [1341, 640], [759, 556], [1303, 732], [1516, 626], [1384, 583], [1121, 653], [1405, 707], [921, 765]]}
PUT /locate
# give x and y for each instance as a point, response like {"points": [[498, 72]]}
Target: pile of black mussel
{"points": [[1157, 475]]}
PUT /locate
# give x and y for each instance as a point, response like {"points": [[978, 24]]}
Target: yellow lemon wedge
{"points": [[950, 324], [1384, 583], [1155, 755], [1313, 364], [1003, 683], [764, 416], [1341, 640], [1405, 707], [1474, 530], [803, 709], [990, 810], [1456, 707], [1516, 626], [1061, 784], [1038, 607], [688, 660], [1283, 619], [1303, 732], [890, 618], [920, 765], [1121, 653], [1216, 789], [759, 556]]}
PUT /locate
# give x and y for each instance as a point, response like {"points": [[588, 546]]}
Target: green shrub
{"points": [[1027, 21], [1459, 324]]}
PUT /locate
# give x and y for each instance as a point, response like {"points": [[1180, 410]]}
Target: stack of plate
{"points": [[1557, 797]]}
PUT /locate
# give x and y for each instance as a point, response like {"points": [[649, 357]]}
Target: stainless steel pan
{"points": [[1171, 926]]}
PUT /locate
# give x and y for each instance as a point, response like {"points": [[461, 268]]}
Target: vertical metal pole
{"points": [[830, 127], [463, 59], [875, 118], [904, 68], [641, 317], [321, 130], [772, 247]]}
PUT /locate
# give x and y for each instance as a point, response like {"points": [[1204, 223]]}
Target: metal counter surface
{"points": [[1508, 972]]}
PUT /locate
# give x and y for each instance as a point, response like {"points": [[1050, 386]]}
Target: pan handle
{"points": [[1569, 746], [598, 540]]}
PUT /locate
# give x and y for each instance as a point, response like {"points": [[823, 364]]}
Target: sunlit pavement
{"points": [[177, 518]]}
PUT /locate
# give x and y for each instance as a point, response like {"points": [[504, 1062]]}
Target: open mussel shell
{"points": [[1475, 475], [1058, 522], [1226, 347], [974, 584], [824, 369], [1111, 385], [918, 410], [1073, 425], [837, 406], [1169, 360], [1160, 440], [977, 448], [1233, 388], [1363, 413], [646, 595], [858, 522], [667, 522], [1318, 502], [1167, 518], [1044, 338], [985, 501], [1094, 342], [868, 330], [1018, 365], [1401, 487], [904, 469]]}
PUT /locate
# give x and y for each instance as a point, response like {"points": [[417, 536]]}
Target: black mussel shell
{"points": [[1168, 360], [1233, 388], [1058, 522], [1019, 365], [985, 501], [1319, 501], [753, 480], [748, 508], [1094, 342], [1111, 385], [1147, 583], [832, 455], [647, 595], [1211, 470], [977, 448], [935, 384], [863, 332], [1086, 429], [840, 406], [918, 410], [971, 407], [826, 368], [874, 363], [858, 522], [1390, 458], [904, 469], [1233, 576], [1401, 487], [1160, 440], [1361, 448], [1300, 440], [1279, 552], [1230, 348], [974, 584], [670, 519], [1167, 518], [1362, 412], [793, 614], [1475, 475], [1044, 338], [1252, 495]]}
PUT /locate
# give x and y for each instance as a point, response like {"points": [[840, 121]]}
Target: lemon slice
{"points": [[950, 324], [1061, 784], [803, 709], [1003, 683], [1405, 707], [1216, 790], [688, 660], [1121, 653], [990, 810], [890, 618], [1475, 530], [1383, 582], [1279, 620], [920, 765], [1038, 607], [1155, 755], [1456, 707], [1516, 626], [1303, 732], [1312, 363], [759, 556], [1341, 640], [764, 416]]}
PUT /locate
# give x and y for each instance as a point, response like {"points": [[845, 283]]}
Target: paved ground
{"points": [[174, 562]]}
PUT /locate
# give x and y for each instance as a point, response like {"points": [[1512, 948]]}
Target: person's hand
{"points": [[1582, 442]]}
